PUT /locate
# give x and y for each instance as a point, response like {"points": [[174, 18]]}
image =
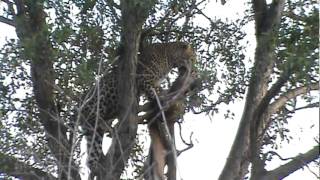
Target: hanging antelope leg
{"points": [[171, 157], [161, 128], [157, 155], [162, 148]]}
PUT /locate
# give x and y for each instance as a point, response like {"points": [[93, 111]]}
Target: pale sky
{"points": [[213, 138]]}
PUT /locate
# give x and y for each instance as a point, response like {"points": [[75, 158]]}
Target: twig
{"points": [[189, 145]]}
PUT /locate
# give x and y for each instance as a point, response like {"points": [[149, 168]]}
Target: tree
{"points": [[67, 43], [265, 98]]}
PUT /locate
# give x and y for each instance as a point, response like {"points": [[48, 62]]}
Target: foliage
{"points": [[297, 49], [86, 35]]}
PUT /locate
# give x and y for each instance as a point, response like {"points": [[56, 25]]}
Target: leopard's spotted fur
{"points": [[154, 63]]}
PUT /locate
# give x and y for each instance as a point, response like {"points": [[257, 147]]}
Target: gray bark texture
{"points": [[267, 19], [133, 14], [31, 25], [259, 106], [295, 164]]}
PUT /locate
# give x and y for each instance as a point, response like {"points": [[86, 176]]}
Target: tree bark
{"points": [[134, 14], [296, 163], [283, 99], [266, 20], [32, 30]]}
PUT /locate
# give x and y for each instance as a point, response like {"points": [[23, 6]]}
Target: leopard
{"points": [[100, 106]]}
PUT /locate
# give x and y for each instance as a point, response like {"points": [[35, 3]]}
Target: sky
{"points": [[213, 136]]}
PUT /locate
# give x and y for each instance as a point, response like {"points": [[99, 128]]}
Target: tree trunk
{"points": [[267, 19], [33, 33], [134, 14]]}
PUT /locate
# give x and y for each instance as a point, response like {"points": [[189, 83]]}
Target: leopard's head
{"points": [[182, 54]]}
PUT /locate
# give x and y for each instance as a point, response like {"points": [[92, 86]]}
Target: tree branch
{"points": [[271, 93], [7, 21], [297, 163], [12, 167], [265, 17], [189, 145], [264, 117], [293, 16], [312, 105], [260, 9], [281, 101], [274, 12]]}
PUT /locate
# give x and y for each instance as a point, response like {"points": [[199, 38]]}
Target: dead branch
{"points": [[189, 145]]}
